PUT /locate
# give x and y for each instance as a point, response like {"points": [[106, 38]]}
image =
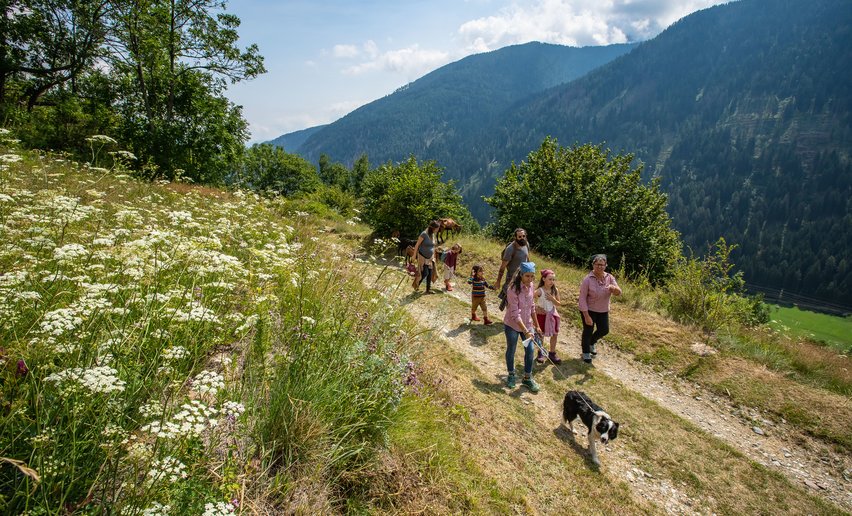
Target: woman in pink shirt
{"points": [[595, 291], [518, 320]]}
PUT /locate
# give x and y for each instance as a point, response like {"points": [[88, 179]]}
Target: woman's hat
{"points": [[527, 267]]}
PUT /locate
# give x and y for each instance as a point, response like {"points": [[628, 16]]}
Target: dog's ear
{"points": [[613, 432]]}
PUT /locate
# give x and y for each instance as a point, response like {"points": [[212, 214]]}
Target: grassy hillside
{"points": [[172, 349]]}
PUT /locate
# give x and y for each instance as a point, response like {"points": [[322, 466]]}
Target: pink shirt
{"points": [[594, 294], [520, 307]]}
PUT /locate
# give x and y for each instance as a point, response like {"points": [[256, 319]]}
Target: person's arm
{"points": [[583, 302], [535, 320], [503, 266], [417, 245], [613, 287], [553, 299]]}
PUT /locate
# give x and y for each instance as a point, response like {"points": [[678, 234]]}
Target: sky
{"points": [[325, 58]]}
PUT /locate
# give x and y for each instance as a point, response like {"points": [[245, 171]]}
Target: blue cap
{"points": [[527, 267]]}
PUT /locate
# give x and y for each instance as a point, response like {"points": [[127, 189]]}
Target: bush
{"points": [[705, 293], [267, 168], [580, 201], [406, 196]]}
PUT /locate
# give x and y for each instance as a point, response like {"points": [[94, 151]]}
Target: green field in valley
{"points": [[833, 330]]}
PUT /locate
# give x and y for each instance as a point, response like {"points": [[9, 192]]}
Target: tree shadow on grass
{"points": [[565, 435]]}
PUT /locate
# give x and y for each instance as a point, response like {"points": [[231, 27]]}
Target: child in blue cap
{"points": [[518, 320]]}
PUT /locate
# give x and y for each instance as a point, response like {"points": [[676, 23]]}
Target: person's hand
{"points": [[588, 320]]}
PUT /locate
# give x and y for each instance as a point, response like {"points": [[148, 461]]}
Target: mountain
{"points": [[743, 109], [435, 116], [291, 141]]}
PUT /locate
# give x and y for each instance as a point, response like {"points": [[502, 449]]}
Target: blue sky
{"points": [[326, 58]]}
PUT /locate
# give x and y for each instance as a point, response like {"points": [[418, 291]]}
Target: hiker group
{"points": [[531, 312]]}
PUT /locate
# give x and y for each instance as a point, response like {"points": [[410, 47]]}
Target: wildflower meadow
{"points": [[166, 349]]}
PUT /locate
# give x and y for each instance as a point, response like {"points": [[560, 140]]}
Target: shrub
{"points": [[406, 196], [705, 293]]}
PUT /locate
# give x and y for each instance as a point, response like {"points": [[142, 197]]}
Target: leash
{"points": [[539, 343]]}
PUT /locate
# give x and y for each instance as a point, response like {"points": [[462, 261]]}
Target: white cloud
{"points": [[412, 62], [575, 22], [345, 51]]}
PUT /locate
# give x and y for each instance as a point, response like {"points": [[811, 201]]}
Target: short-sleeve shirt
{"points": [[515, 256], [427, 246]]}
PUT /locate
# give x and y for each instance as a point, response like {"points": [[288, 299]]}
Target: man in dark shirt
{"points": [[516, 252]]}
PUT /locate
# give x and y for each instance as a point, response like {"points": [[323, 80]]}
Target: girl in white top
{"points": [[546, 301]]}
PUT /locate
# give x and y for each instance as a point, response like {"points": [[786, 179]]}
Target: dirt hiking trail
{"points": [[804, 461]]}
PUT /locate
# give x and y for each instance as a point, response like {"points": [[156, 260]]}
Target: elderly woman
{"points": [[424, 251], [518, 320], [595, 291]]}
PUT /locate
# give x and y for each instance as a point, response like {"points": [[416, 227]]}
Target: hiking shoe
{"points": [[540, 358], [449, 288], [511, 381], [587, 360], [594, 350], [531, 384], [554, 358], [488, 321], [473, 317], [502, 305]]}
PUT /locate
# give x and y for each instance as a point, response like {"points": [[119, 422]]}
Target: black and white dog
{"points": [[600, 425]]}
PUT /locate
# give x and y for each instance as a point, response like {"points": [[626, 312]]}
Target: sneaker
{"points": [[531, 384], [488, 321], [594, 350], [540, 358], [473, 317], [449, 288], [511, 381], [587, 360], [502, 304], [554, 358]]}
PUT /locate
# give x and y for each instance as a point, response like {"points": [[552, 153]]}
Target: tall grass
{"points": [[170, 349]]}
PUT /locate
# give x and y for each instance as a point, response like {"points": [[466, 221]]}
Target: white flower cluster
{"points": [[233, 409], [197, 313], [192, 420], [69, 252], [96, 379], [218, 509], [156, 509], [180, 216], [208, 382], [168, 468], [175, 353], [151, 408], [60, 321], [248, 324], [10, 158], [12, 278]]}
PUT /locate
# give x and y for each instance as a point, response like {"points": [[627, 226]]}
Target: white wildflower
{"points": [[169, 469], [100, 379], [208, 382], [218, 509]]}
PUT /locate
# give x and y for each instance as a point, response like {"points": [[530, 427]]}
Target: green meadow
{"points": [[832, 330]]}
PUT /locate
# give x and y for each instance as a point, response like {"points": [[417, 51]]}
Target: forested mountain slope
{"points": [[436, 116], [744, 110]]}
